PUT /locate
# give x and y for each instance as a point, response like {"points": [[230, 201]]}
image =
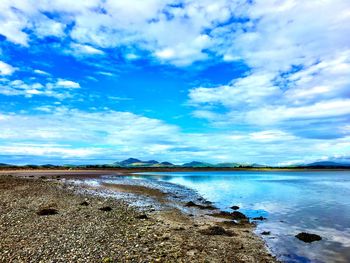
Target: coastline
{"points": [[166, 235]]}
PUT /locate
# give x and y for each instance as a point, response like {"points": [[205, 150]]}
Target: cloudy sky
{"points": [[96, 81]]}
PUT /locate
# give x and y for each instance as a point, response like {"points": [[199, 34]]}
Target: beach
{"points": [[45, 219]]}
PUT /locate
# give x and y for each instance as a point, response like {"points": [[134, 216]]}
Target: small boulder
{"points": [[307, 237], [235, 215], [190, 204], [216, 230], [261, 218], [47, 212], [143, 216], [265, 233], [234, 207], [105, 209], [238, 215], [85, 203]]}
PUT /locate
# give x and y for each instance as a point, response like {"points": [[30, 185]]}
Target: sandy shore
{"points": [[88, 228]]}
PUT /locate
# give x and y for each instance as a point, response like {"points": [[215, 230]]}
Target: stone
{"points": [[47, 212], [105, 209], [307, 237], [216, 230]]}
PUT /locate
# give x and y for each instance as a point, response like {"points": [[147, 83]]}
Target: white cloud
{"points": [[41, 72], [60, 132], [47, 150], [299, 59], [67, 84], [165, 53], [6, 69], [271, 135], [105, 73], [84, 50], [249, 90], [297, 82], [152, 25], [173, 31], [320, 110], [45, 27], [60, 89], [12, 23]]}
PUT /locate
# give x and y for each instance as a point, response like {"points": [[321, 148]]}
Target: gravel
{"points": [[82, 228]]}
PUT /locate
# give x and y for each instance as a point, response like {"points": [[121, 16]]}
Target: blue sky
{"points": [[246, 81]]}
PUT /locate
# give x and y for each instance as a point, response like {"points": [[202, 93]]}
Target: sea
{"points": [[316, 202]]}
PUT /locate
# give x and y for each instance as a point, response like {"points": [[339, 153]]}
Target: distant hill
{"points": [[197, 164], [256, 165], [229, 165], [151, 162], [166, 164], [133, 162], [129, 161], [324, 164]]}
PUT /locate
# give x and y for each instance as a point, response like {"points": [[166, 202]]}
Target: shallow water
{"points": [[316, 202]]}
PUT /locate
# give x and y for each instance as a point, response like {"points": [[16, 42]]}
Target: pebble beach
{"points": [[43, 219]]}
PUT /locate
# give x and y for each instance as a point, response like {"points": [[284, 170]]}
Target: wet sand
{"points": [[81, 232]]}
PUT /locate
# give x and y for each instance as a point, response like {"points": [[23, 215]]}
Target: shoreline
{"points": [[197, 237], [130, 170]]}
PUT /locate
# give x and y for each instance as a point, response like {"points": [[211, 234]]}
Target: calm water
{"points": [[316, 202]]}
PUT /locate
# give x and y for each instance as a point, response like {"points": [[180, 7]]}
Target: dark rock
{"points": [[307, 237], [216, 230], [47, 212], [232, 216], [105, 209], [209, 207], [192, 204], [266, 233], [259, 218], [224, 213], [235, 207], [143, 216], [238, 215], [85, 203]]}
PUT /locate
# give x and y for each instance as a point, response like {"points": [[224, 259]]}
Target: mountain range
{"points": [[136, 163], [133, 162]]}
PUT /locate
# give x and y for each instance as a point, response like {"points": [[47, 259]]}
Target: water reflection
{"points": [[317, 202]]}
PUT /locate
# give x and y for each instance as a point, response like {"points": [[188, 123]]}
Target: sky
{"points": [[98, 81]]}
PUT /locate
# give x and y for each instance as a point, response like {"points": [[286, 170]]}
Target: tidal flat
{"points": [[64, 216]]}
